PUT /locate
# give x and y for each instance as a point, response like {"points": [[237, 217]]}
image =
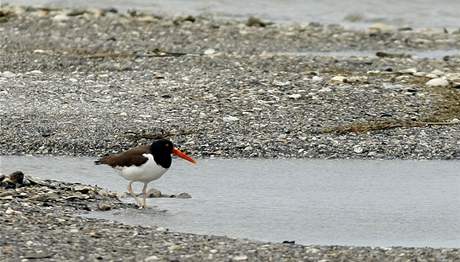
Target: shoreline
{"points": [[52, 206]]}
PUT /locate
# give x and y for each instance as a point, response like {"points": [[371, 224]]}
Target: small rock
{"points": [[35, 72], [437, 72], [435, 82], [422, 74], [17, 177], [380, 28], [316, 79], [104, 206], [41, 51], [209, 51], [151, 258], [281, 83], [61, 18], [9, 211], [146, 18], [257, 22], [455, 121], [184, 195], [295, 96], [228, 119], [8, 74], [338, 79], [162, 229], [82, 189], [325, 90], [240, 258], [430, 75], [409, 71], [358, 149], [152, 192]]}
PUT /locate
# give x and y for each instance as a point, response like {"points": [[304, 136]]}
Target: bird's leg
{"points": [[130, 191], [144, 195]]}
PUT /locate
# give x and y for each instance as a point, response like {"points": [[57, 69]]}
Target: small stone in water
{"points": [[184, 195], [152, 192]]}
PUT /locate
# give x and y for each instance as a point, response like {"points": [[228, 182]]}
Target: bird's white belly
{"points": [[146, 172]]}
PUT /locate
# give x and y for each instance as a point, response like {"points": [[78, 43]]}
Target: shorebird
{"points": [[144, 164]]}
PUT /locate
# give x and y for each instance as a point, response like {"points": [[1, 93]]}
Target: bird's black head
{"points": [[162, 149]]}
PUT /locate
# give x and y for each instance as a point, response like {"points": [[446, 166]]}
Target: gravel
{"points": [[98, 82], [91, 82], [39, 221]]}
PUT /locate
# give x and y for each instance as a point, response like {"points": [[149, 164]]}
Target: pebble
{"points": [[183, 195], [410, 71], [358, 149], [35, 72], [102, 206], [338, 79], [209, 51], [380, 28], [437, 72], [7, 74], [437, 82], [240, 258], [230, 119], [316, 79], [61, 18], [152, 192], [151, 258], [295, 96]]}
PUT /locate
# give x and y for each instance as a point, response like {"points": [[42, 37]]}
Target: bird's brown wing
{"points": [[130, 157]]}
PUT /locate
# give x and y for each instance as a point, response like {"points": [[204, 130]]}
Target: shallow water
{"points": [[344, 202], [353, 13]]}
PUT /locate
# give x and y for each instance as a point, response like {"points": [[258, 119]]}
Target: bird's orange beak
{"points": [[182, 155]]}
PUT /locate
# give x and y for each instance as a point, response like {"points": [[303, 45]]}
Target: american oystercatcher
{"points": [[144, 163]]}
